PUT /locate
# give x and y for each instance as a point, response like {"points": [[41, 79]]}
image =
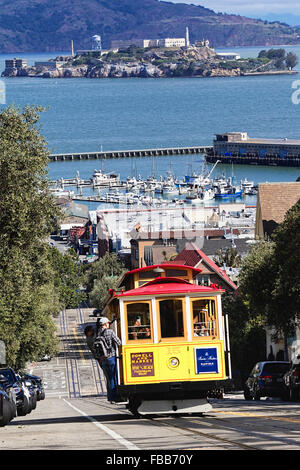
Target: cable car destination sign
{"points": [[142, 364]]}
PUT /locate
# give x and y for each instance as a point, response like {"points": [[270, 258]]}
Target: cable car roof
{"points": [[168, 285], [163, 266]]}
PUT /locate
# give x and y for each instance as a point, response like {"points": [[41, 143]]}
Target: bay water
{"points": [[135, 113]]}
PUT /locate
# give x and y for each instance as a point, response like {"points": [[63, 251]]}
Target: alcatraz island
{"points": [[154, 58]]}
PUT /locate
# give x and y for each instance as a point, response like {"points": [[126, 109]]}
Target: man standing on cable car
{"points": [[109, 342]]}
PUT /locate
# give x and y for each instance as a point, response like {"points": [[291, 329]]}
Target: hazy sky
{"points": [[254, 8]]}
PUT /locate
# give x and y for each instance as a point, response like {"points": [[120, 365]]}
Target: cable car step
{"points": [[174, 406]]}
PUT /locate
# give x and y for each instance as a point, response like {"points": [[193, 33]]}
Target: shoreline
{"points": [[246, 74]]}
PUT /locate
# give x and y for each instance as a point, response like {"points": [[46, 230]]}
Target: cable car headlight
{"points": [[173, 362]]}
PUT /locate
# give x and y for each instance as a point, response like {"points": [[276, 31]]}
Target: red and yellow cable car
{"points": [[175, 343]]}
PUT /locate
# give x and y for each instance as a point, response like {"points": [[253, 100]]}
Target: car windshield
{"points": [[277, 368], [8, 374]]}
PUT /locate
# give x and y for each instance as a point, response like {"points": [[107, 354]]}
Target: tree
{"points": [[28, 214], [270, 278], [101, 276], [291, 60], [230, 258], [67, 277], [247, 336]]}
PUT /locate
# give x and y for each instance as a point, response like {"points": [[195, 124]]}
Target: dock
{"points": [[254, 160], [202, 149]]}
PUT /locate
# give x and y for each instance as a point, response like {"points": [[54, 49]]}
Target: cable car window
{"points": [[139, 321], [171, 318], [176, 273], [204, 318]]}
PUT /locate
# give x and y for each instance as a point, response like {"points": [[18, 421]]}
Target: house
{"points": [[273, 201], [157, 247], [210, 272]]}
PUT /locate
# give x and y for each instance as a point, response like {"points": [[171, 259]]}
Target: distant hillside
{"points": [[40, 25]]}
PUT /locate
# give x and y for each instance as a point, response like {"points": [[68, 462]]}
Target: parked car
{"points": [[266, 380], [292, 383], [27, 383], [23, 398], [38, 383], [8, 402]]}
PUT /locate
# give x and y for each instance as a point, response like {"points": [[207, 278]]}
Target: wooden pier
{"points": [[131, 153]]}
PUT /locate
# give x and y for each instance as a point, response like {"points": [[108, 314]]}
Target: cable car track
{"points": [[207, 435]]}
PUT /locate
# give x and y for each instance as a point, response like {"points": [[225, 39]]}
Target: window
{"points": [[139, 321], [176, 273], [148, 256], [203, 279], [171, 318], [204, 318]]}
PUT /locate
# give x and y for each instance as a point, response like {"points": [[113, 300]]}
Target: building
{"points": [[157, 247], [240, 144], [228, 56], [210, 272], [144, 43], [273, 201], [49, 64], [16, 63]]}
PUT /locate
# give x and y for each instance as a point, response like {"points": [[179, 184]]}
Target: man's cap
{"points": [[103, 320]]}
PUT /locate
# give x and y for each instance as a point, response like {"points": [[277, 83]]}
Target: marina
{"points": [[192, 189]]}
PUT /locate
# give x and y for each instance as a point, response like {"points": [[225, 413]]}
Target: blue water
{"points": [[85, 114]]}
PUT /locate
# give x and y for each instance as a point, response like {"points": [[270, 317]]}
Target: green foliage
{"points": [[291, 60], [247, 335], [101, 276], [28, 214], [100, 291], [270, 277], [67, 277], [230, 257]]}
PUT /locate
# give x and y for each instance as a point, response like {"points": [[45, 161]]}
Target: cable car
{"points": [[175, 342]]}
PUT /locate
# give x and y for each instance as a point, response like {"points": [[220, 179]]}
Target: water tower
{"points": [[96, 43]]}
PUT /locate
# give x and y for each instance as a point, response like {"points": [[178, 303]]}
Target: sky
{"points": [[288, 11]]}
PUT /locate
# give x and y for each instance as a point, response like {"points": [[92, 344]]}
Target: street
{"points": [[76, 414]]}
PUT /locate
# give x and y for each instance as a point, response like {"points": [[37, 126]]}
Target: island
{"points": [[197, 60]]}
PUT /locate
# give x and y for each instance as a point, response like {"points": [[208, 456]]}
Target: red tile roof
{"points": [[192, 255]]}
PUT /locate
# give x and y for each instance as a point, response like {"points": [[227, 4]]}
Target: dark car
{"points": [[38, 384], [8, 405], [27, 383], [266, 380], [24, 402], [292, 383]]}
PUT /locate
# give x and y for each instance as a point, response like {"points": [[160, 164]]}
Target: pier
{"points": [[204, 149], [274, 160]]}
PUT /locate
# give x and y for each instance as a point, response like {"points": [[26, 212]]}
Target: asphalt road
{"points": [[76, 415]]}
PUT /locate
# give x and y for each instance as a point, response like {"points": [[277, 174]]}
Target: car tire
{"points": [[42, 396], [285, 395], [34, 402], [293, 394], [247, 394], [24, 408], [7, 414]]}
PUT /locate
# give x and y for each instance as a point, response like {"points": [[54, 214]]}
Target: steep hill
{"points": [[40, 25]]}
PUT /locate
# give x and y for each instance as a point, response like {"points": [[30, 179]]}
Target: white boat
{"points": [[201, 197], [105, 179], [247, 186], [57, 192]]}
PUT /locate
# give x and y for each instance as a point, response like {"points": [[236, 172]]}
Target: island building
{"points": [[49, 64], [228, 56], [15, 63], [96, 46], [144, 43]]}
